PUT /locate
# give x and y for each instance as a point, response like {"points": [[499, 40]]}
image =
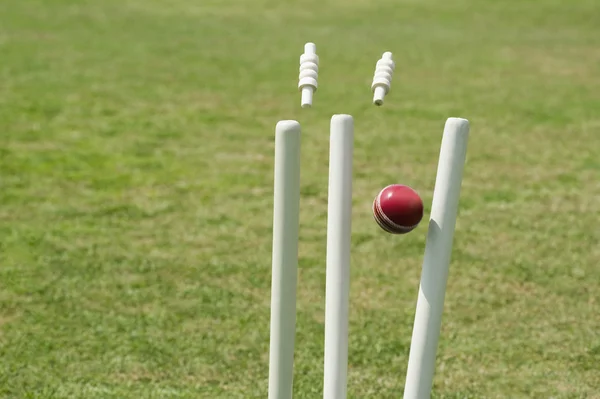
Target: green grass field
{"points": [[136, 173]]}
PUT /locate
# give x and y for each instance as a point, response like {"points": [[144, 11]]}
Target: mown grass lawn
{"points": [[136, 156]]}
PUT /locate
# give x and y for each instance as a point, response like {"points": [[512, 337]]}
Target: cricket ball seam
{"points": [[381, 223]]}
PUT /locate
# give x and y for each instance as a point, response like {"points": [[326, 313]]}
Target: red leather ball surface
{"points": [[398, 209]]}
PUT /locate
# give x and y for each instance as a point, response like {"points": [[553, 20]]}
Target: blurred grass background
{"points": [[136, 156]]}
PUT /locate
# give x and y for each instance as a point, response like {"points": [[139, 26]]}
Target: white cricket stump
{"points": [[337, 296], [436, 262], [285, 259]]}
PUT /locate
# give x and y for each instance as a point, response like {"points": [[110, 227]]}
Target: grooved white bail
{"points": [[382, 81], [309, 72]]}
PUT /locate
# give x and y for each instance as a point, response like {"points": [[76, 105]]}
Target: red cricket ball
{"points": [[398, 209]]}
